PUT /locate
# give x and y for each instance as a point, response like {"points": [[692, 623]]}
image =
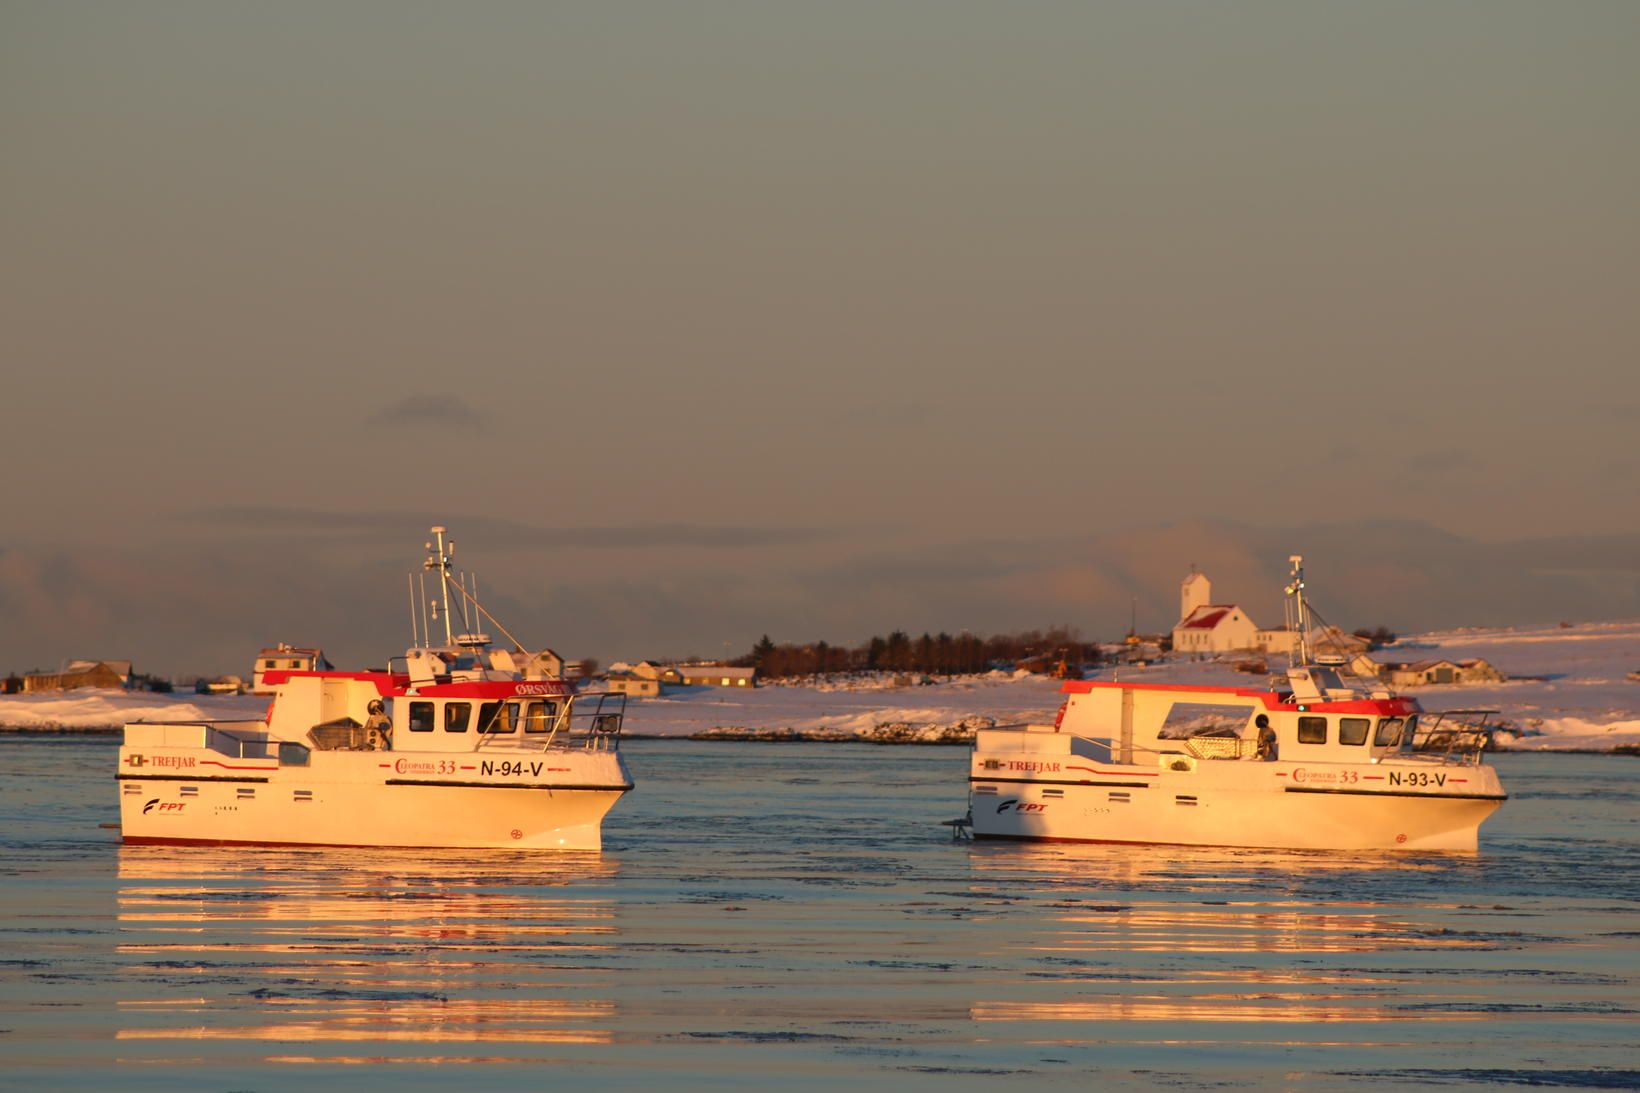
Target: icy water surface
{"points": [[794, 914]]}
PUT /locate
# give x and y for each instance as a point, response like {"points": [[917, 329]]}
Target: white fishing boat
{"points": [[454, 745], [1314, 762]]}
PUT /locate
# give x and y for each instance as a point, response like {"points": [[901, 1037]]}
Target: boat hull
{"points": [[1242, 804], [542, 801]]}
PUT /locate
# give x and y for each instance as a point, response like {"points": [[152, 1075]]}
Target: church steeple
{"points": [[1194, 592]]}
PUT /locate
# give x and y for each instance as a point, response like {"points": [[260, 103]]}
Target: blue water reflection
{"points": [[796, 912]]}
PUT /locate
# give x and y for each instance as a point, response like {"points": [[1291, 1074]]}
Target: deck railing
{"points": [[590, 720], [1455, 736]]}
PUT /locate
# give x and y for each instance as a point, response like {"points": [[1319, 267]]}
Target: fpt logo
{"points": [[1020, 806], [163, 807]]}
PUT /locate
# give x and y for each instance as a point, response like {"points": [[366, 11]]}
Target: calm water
{"points": [[795, 914]]}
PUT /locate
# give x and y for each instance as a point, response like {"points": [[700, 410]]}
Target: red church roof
{"points": [[1206, 617]]}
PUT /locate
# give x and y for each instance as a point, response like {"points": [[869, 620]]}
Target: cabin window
{"points": [[1312, 730], [499, 717], [421, 717], [457, 715], [1353, 730], [1187, 719], [1388, 734], [292, 754], [539, 716]]}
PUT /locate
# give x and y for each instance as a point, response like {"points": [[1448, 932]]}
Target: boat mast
{"points": [[441, 562], [1297, 613]]}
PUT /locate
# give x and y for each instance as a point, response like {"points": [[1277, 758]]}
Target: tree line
{"points": [[931, 654]]}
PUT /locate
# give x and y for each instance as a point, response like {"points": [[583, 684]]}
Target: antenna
{"points": [[410, 578], [441, 562], [1298, 613], [426, 637]]}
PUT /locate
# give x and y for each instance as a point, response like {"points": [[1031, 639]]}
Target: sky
{"points": [[702, 321]]}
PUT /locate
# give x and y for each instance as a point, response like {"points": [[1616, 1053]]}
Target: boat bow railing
{"points": [[591, 720], [1454, 736]]}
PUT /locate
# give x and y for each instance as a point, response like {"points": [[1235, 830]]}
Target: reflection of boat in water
{"points": [[407, 951], [458, 745], [1315, 764]]}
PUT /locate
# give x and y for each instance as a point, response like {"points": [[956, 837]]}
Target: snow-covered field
{"points": [[1581, 699], [91, 709]]}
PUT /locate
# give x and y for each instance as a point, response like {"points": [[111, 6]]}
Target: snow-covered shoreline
{"points": [[1578, 698]]}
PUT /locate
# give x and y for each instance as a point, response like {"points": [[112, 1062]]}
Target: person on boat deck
{"points": [[378, 726], [1266, 737]]}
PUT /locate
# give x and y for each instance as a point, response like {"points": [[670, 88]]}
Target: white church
{"points": [[1208, 627]]}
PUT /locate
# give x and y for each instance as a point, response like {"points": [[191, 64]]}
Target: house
{"points": [[634, 686], [1427, 672], [1480, 671], [662, 673], [716, 675], [543, 665], [80, 673], [286, 658], [1279, 641]]}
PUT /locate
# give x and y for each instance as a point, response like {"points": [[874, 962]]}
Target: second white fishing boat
{"points": [[1314, 762]]}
